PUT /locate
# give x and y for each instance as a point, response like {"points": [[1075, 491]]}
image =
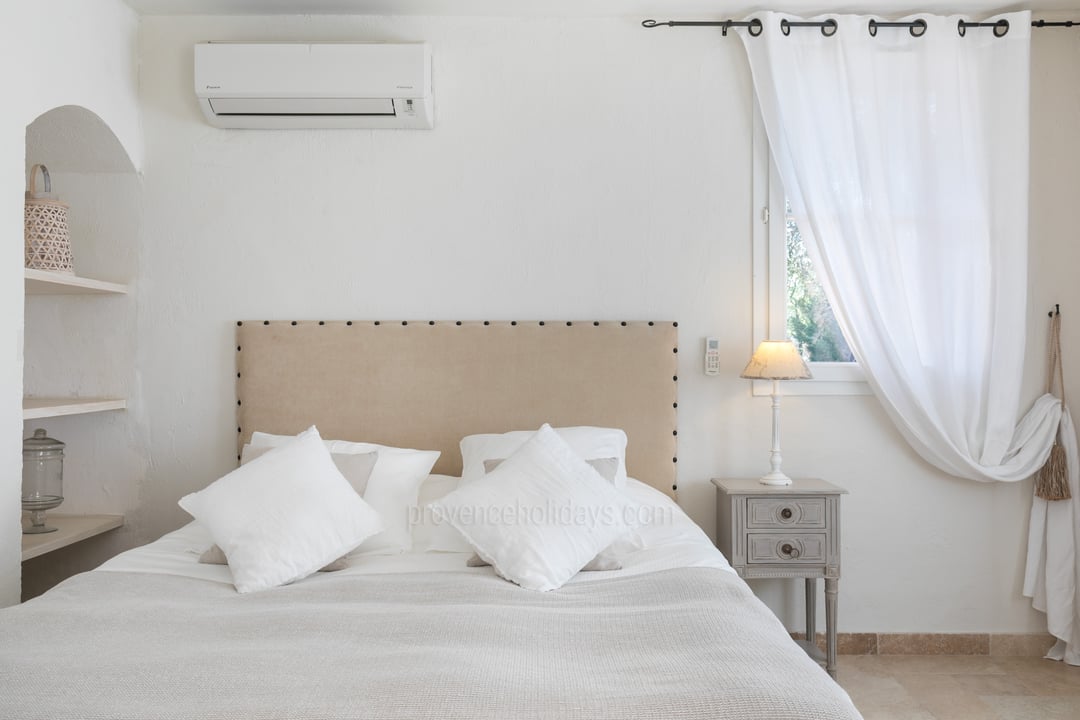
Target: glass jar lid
{"points": [[41, 442]]}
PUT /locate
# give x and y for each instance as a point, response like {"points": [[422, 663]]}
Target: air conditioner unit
{"points": [[315, 85]]}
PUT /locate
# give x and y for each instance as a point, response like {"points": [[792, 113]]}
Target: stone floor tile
{"points": [[943, 664], [1012, 707], [962, 687]]}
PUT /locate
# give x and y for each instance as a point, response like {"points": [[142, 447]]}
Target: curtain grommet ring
{"points": [[1000, 27], [755, 27], [917, 28], [828, 27]]}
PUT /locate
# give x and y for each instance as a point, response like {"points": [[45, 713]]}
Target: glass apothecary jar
{"points": [[42, 479]]}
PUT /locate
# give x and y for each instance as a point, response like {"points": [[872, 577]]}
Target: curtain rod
{"points": [[828, 27]]}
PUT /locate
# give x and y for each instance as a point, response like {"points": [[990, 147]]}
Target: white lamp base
{"points": [[775, 478]]}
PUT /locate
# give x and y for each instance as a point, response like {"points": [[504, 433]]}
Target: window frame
{"points": [[770, 280]]}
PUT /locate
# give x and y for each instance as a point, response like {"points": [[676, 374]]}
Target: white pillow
{"points": [[284, 515], [392, 488], [662, 521], [588, 442], [541, 515]]}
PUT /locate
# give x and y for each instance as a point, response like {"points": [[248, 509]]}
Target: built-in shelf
{"points": [[43, 282], [69, 529], [35, 408]]}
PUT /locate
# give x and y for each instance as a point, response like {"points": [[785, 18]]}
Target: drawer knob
{"points": [[789, 550], [786, 513]]}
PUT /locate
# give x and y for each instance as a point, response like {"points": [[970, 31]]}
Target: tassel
{"points": [[1052, 480]]}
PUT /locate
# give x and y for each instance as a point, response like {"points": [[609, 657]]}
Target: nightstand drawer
{"points": [[784, 513], [785, 548]]}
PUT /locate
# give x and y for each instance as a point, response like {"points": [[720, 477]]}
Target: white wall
{"points": [[64, 52], [580, 169]]}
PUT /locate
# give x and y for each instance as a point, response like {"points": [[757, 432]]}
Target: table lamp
{"points": [[776, 360]]}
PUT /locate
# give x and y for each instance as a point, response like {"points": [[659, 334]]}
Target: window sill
{"points": [[829, 379]]}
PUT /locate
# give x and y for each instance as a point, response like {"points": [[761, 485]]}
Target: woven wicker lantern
{"points": [[48, 245]]}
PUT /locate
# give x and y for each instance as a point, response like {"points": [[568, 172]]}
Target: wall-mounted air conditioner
{"points": [[315, 85]]}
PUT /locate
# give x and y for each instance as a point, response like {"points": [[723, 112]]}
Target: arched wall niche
{"points": [[85, 345], [71, 138]]}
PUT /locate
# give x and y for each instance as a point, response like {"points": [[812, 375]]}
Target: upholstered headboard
{"points": [[428, 384]]}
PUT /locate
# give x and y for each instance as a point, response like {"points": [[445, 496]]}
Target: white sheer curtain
{"points": [[905, 161]]}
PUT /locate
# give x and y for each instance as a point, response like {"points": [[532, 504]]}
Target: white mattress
{"points": [[673, 541]]}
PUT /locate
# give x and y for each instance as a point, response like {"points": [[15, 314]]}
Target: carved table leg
{"points": [[811, 610], [830, 625]]}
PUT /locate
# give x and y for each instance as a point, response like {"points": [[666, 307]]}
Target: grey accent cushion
{"points": [[602, 561], [356, 467], [607, 467]]}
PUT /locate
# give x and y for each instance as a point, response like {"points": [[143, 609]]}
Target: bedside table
{"points": [[785, 531]]}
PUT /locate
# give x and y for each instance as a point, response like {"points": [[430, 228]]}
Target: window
{"points": [[789, 301], [809, 319]]}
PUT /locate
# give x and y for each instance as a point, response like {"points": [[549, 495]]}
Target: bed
{"points": [[672, 633]]}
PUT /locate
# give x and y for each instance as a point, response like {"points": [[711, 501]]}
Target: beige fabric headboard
{"points": [[428, 384]]}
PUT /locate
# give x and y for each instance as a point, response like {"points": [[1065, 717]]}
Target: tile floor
{"points": [[972, 687]]}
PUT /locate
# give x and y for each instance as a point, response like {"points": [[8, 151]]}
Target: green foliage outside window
{"points": [[810, 320]]}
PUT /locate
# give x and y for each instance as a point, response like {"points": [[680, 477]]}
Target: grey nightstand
{"points": [[786, 531]]}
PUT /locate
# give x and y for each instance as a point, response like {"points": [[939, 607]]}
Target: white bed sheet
{"points": [[673, 540]]}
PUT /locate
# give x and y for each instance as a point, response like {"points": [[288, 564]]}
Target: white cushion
{"points": [[444, 538], [541, 515], [606, 560], [284, 515], [216, 556], [588, 442], [392, 488]]}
